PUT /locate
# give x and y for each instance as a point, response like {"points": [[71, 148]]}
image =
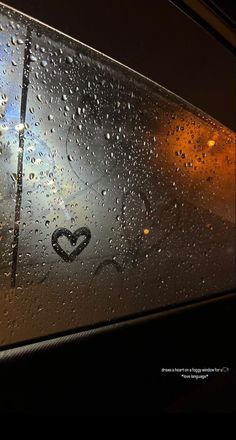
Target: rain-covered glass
{"points": [[116, 196]]}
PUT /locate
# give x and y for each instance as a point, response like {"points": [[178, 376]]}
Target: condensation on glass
{"points": [[116, 196]]}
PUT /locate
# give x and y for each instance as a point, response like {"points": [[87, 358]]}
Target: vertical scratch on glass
{"points": [[25, 85]]}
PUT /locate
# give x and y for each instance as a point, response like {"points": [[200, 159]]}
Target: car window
{"points": [[117, 197]]}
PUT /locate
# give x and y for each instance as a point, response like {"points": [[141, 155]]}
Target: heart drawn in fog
{"points": [[73, 238]]}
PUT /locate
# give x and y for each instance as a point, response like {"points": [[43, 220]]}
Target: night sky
{"points": [[154, 38]]}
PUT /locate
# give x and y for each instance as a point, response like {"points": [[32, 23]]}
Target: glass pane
{"points": [[117, 197]]}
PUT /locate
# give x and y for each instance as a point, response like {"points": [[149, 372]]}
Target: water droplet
{"points": [[33, 58], [104, 192], [69, 60]]}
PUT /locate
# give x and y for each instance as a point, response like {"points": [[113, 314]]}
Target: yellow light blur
{"points": [[146, 231], [211, 143]]}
